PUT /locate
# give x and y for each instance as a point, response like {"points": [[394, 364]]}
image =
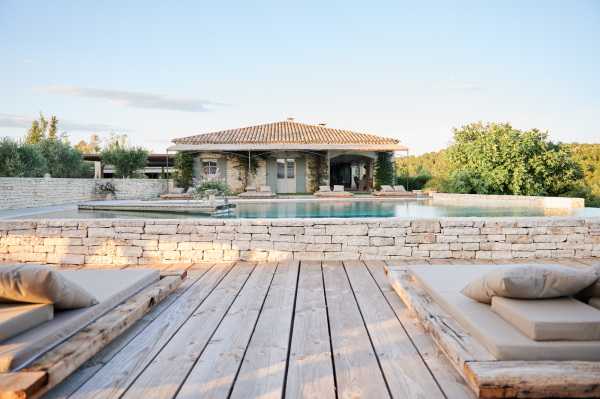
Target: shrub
{"points": [[126, 161], [63, 160], [220, 187], [184, 165], [416, 182], [21, 160]]}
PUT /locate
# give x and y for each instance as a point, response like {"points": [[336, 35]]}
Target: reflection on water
{"points": [[340, 209]]}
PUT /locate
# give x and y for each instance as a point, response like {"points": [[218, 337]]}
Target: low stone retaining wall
{"points": [[101, 242], [508, 200], [17, 192]]}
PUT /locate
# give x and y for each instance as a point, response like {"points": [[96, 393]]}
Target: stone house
{"points": [[289, 156]]}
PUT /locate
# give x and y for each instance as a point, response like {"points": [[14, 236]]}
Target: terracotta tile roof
{"points": [[286, 132]]}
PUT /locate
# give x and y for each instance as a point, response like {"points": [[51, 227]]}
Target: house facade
{"points": [[288, 156]]}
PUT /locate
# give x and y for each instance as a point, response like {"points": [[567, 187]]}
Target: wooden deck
{"points": [[267, 330]]}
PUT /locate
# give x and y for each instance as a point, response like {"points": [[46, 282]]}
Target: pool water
{"points": [[340, 209]]}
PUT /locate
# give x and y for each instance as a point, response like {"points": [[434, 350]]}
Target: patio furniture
{"points": [[394, 191], [491, 347], [59, 341], [264, 191], [179, 194], [338, 192]]}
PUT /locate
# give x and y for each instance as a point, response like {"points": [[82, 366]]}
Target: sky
{"points": [[157, 70]]}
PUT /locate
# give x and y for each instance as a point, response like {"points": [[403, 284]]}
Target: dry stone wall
{"points": [[17, 192], [119, 242]]}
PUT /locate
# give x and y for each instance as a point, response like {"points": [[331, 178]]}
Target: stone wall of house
{"points": [[118, 242], [17, 192]]}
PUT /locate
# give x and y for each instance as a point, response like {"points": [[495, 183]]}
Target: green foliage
{"points": [[63, 160], [434, 163], [21, 160], [41, 129], [414, 182], [32, 161], [126, 161], [184, 165], [384, 169], [498, 159], [588, 158], [220, 187]]}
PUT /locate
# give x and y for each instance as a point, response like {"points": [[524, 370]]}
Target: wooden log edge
{"points": [[535, 379], [57, 364]]}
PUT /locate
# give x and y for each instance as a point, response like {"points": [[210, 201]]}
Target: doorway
{"points": [[286, 175]]}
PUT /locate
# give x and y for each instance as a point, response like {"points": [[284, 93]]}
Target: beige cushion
{"points": [[550, 319], [530, 282], [387, 188], [337, 188], [400, 188], [595, 302], [17, 318], [40, 284], [324, 189]]}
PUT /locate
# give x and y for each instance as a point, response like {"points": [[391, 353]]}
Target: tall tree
{"points": [[35, 134], [384, 169], [53, 128]]}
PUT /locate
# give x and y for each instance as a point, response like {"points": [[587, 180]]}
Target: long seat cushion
{"points": [[16, 318], [550, 319], [501, 339], [110, 287]]}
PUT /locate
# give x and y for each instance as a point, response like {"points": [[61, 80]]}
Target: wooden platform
{"points": [[247, 330]]}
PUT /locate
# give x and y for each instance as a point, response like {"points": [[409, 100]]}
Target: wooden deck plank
{"points": [[123, 366], [262, 374], [310, 367], [451, 382], [357, 370], [405, 371], [214, 373], [163, 376]]}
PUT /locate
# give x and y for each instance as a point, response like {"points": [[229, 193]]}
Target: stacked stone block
{"points": [[160, 241]]}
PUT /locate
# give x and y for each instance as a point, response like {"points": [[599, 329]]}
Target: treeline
{"points": [[498, 159], [43, 151]]}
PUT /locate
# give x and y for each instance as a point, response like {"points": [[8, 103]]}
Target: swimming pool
{"points": [[339, 208]]}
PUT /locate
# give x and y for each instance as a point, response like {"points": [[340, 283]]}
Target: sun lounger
{"points": [[179, 194], [393, 191], [56, 348], [338, 192], [494, 356], [263, 191]]}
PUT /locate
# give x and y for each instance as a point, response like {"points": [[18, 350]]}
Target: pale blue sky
{"points": [[159, 70]]}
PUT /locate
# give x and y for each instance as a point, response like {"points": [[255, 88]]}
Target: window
{"points": [[281, 168], [291, 168], [209, 168]]}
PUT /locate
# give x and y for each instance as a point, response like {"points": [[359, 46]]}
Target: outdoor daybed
{"points": [[53, 343], [513, 348], [338, 192], [262, 192], [394, 192]]}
